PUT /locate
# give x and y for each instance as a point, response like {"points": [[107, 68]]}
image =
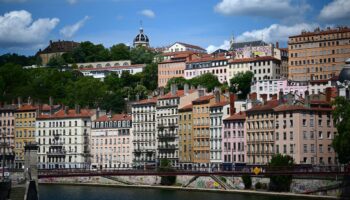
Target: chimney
{"points": [[161, 91], [232, 103], [137, 97], [186, 88], [77, 109], [200, 92], [29, 101], [280, 97], [277, 45], [253, 96], [66, 108], [290, 99], [173, 89], [193, 87], [217, 95], [19, 101], [329, 92], [51, 105], [264, 98], [98, 112], [307, 98]]}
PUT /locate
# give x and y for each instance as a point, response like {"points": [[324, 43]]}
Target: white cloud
{"points": [[70, 30], [336, 10], [275, 32], [225, 45], [148, 13], [266, 8], [72, 1], [17, 29]]}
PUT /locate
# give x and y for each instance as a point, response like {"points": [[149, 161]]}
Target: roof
{"points": [[60, 46], [111, 68], [323, 32], [178, 52], [220, 104], [286, 107], [27, 107], [173, 61], [265, 107], [152, 100], [236, 116], [8, 107], [246, 60], [84, 113], [179, 93], [117, 117], [239, 45], [190, 46], [46, 107], [186, 108], [203, 99], [206, 59]]}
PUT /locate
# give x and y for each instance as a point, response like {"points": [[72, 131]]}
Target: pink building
{"points": [[234, 139], [7, 120], [111, 142]]}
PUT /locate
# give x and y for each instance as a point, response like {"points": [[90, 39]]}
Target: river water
{"points": [[68, 192]]}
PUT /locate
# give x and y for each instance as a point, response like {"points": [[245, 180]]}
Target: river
{"points": [[69, 192]]}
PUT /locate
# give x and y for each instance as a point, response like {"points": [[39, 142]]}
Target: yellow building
{"points": [[185, 137], [24, 131]]}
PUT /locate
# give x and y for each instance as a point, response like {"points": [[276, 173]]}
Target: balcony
{"points": [[166, 136], [60, 153], [56, 144], [167, 147]]}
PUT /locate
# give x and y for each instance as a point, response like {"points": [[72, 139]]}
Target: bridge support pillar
{"points": [[31, 171]]}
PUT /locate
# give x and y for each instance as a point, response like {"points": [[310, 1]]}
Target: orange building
{"points": [[318, 55]]}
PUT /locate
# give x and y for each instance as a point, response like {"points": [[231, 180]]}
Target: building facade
{"points": [[318, 55], [185, 137], [111, 142], [144, 138], [64, 138], [180, 46], [7, 133]]}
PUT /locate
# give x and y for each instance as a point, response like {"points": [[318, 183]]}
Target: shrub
{"points": [[258, 186], [247, 180], [223, 179]]}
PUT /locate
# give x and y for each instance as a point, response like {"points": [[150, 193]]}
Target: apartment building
{"points": [[185, 137], [111, 142], [64, 138], [318, 55], [7, 133], [144, 137]]}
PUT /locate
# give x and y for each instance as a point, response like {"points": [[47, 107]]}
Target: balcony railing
{"points": [[56, 153]]}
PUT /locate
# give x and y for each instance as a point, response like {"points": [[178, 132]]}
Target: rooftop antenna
{"points": [[141, 29]]}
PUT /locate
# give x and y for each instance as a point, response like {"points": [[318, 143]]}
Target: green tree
{"points": [[141, 55], [15, 80], [150, 76], [120, 52], [280, 183], [179, 81], [57, 61], [113, 101], [341, 141], [241, 82], [165, 166], [247, 180], [208, 80]]}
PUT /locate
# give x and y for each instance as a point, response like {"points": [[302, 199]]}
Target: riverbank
{"points": [[252, 192]]}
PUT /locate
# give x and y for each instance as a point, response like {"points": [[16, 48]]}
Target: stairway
{"points": [[17, 193], [221, 183], [118, 180]]}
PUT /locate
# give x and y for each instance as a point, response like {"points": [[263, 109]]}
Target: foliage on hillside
{"points": [[207, 80]]}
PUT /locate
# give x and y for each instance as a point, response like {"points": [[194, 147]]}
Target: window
{"points": [[304, 135], [284, 136], [320, 135], [291, 135], [284, 148], [305, 148]]}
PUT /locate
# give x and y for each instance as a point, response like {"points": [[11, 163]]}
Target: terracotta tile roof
{"points": [[190, 46], [179, 52], [236, 116], [245, 60], [46, 107], [207, 58], [111, 68], [203, 99], [186, 108], [323, 32], [153, 100], [8, 107], [60, 46], [286, 107], [220, 104], [173, 61], [179, 93], [27, 107], [116, 117], [266, 107], [84, 113]]}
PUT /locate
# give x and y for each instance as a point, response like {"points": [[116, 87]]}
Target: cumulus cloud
{"points": [[275, 32], [70, 30], [17, 29], [335, 10], [148, 13], [72, 1], [266, 8], [212, 48]]}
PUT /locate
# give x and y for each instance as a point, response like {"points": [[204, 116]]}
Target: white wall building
{"points": [[180, 46], [105, 64], [63, 139]]}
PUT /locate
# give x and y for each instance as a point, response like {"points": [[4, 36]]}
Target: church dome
{"points": [[345, 72], [141, 37]]}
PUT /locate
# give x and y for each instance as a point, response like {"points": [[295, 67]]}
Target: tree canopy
{"points": [[341, 141], [241, 83], [280, 182], [207, 80]]}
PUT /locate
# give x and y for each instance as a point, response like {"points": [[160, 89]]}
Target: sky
{"points": [[28, 25]]}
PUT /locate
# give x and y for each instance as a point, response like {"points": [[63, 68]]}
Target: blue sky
{"points": [[27, 25]]}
